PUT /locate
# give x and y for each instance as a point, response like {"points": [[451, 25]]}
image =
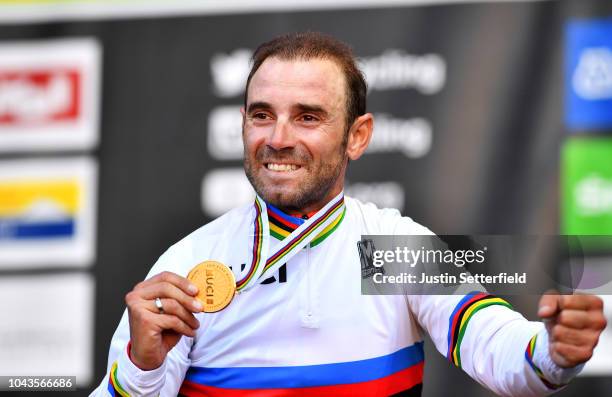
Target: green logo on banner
{"points": [[587, 186]]}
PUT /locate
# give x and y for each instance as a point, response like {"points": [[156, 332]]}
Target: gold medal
{"points": [[216, 285]]}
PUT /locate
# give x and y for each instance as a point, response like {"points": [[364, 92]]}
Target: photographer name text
{"points": [[449, 279]]}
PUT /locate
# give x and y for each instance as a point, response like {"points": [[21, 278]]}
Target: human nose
{"points": [[281, 137]]}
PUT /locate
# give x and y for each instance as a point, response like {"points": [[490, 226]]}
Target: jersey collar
{"points": [[282, 224]]}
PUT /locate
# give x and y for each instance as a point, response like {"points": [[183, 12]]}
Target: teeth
{"points": [[282, 167]]}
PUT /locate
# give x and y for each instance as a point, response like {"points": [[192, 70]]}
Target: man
{"points": [[314, 333]]}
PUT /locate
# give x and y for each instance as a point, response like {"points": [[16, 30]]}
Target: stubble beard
{"points": [[311, 190]]}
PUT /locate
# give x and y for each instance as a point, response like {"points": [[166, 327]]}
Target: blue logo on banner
{"points": [[588, 74]]}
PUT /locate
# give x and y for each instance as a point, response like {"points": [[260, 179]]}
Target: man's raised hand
{"points": [[574, 323], [154, 332]]}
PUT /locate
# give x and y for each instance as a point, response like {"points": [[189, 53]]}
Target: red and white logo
{"points": [[39, 96], [49, 95]]}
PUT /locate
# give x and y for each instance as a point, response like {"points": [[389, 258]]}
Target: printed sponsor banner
{"points": [[47, 212], [587, 186], [385, 194], [224, 189], [411, 137], [230, 72], [224, 137], [49, 95], [48, 330], [395, 69], [588, 76]]}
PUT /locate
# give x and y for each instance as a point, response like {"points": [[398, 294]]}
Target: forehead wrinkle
{"points": [[298, 81]]}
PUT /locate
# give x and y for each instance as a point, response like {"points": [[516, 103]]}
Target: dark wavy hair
{"points": [[316, 45]]}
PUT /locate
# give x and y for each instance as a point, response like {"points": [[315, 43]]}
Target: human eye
{"points": [[309, 118], [260, 116]]}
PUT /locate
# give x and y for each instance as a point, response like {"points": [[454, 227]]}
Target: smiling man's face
{"points": [[294, 133]]}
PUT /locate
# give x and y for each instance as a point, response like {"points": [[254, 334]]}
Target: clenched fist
{"points": [[574, 323], [154, 331]]}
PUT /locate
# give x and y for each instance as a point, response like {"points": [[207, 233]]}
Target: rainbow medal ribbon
{"points": [[264, 266]]}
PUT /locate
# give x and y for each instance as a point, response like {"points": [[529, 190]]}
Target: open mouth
{"points": [[282, 167]]}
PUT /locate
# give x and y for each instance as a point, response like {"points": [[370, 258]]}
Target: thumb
{"points": [[549, 305]]}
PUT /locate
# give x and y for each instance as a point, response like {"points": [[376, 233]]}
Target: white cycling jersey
{"points": [[308, 330]]}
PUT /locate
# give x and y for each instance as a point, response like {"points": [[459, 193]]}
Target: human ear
{"points": [[359, 136]]}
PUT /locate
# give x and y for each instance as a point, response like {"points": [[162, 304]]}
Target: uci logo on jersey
{"points": [[281, 276]]}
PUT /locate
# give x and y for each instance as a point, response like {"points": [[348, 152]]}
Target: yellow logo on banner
{"points": [[18, 198]]}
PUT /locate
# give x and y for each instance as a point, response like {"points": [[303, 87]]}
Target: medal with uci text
{"points": [[216, 285]]}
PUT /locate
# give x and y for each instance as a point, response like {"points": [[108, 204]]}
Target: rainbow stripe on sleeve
{"points": [[460, 318], [114, 387], [529, 357]]}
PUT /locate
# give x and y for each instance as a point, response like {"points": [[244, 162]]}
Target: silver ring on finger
{"points": [[158, 304]]}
